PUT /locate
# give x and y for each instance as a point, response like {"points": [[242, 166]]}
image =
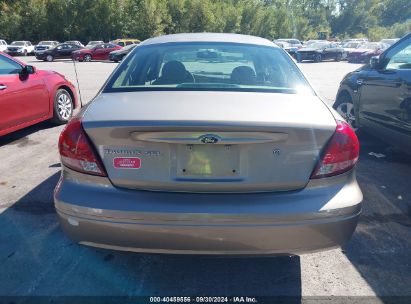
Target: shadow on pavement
{"points": [[381, 246], [38, 259], [21, 137]]}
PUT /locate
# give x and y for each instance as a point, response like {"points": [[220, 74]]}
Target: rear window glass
{"points": [[208, 66]]}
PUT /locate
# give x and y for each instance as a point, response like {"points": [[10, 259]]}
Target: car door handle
{"points": [[360, 81], [3, 87]]}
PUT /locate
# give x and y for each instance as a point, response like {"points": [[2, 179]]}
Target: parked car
{"points": [[350, 47], [61, 51], [292, 42], [320, 51], [208, 144], [3, 45], [361, 40], [98, 52], [29, 95], [20, 48], [126, 41], [92, 44], [287, 47], [377, 96], [118, 55], [42, 46], [390, 41], [75, 42], [365, 51]]}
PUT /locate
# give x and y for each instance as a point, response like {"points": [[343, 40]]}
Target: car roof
{"points": [[209, 37]]}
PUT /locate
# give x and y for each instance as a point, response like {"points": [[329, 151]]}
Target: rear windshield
{"points": [[208, 66]]}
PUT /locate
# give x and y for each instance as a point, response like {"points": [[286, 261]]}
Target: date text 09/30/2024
{"points": [[240, 299]]}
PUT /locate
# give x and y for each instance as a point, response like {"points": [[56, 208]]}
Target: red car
{"points": [[98, 52], [364, 52], [29, 95]]}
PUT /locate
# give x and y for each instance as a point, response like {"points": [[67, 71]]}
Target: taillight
{"points": [[76, 151], [340, 154]]}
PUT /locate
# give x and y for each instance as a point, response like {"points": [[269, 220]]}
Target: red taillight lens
{"points": [[76, 151], [341, 153]]}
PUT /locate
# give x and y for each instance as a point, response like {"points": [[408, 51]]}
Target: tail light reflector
{"points": [[76, 151], [341, 153]]}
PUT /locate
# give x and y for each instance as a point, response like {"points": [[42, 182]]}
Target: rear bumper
{"points": [[242, 238], [252, 224]]}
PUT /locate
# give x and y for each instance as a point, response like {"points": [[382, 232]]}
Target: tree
{"points": [[108, 19]]}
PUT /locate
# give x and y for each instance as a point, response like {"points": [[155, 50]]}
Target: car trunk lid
{"points": [[209, 141]]}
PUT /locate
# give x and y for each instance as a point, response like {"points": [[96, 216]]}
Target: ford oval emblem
{"points": [[209, 139]]}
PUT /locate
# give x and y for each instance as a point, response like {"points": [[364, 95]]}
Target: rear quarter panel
{"points": [[55, 81]]}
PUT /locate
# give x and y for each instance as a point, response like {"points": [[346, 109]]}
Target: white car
{"points": [[20, 48], [3, 45], [43, 46]]}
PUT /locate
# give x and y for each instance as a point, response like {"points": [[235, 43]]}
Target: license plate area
{"points": [[208, 161]]}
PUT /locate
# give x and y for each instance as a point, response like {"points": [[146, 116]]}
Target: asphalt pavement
{"points": [[36, 258]]}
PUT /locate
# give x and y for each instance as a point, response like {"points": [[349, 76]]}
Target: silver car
{"points": [[208, 144]]}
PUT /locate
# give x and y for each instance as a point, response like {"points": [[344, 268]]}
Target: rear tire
{"points": [[49, 58], [87, 58], [345, 107], [338, 57], [25, 53], [63, 107], [317, 58]]}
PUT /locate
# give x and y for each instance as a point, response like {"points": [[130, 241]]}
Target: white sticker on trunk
{"points": [[127, 162]]}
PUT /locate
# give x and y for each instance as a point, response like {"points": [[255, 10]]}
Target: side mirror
{"points": [[26, 71], [375, 62], [30, 69]]}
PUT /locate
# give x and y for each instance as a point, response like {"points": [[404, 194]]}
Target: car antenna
{"points": [[78, 84]]}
